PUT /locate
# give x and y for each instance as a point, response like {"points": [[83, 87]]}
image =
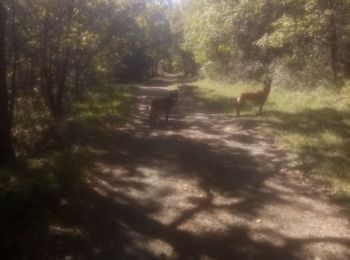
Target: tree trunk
{"points": [[156, 67], [333, 41], [62, 81], [77, 84], [47, 76], [6, 148], [169, 68], [347, 66], [14, 63]]}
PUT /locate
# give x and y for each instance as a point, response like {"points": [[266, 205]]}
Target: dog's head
{"points": [[267, 82], [234, 101]]}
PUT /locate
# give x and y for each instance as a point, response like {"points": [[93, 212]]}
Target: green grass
{"points": [[32, 188], [313, 124], [110, 103]]}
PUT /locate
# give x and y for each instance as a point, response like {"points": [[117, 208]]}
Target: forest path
{"points": [[203, 186]]}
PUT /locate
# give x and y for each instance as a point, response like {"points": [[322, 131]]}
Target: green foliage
{"points": [[61, 48], [245, 39], [31, 121], [113, 103], [315, 125], [61, 51], [207, 29], [312, 124], [32, 188]]}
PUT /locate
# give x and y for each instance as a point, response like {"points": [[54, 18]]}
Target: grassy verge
{"points": [[312, 124], [33, 187], [112, 103]]}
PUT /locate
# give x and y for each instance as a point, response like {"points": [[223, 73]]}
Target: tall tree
{"points": [[309, 39], [6, 149]]}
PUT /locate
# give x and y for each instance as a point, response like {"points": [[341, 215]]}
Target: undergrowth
{"points": [[32, 187], [312, 124]]}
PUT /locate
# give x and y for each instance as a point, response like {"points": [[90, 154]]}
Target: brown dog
{"points": [[258, 98], [162, 105]]}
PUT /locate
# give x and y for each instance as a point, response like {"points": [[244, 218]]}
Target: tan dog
{"points": [[258, 98], [162, 105]]}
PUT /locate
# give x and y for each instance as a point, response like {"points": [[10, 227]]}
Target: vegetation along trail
{"points": [[88, 171], [202, 186]]}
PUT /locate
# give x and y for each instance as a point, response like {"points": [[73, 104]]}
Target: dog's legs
{"points": [[167, 115], [239, 106], [150, 118], [260, 109], [155, 116]]}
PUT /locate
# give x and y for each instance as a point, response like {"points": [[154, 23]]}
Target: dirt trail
{"points": [[203, 186]]}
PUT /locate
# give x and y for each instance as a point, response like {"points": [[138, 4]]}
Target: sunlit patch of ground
{"points": [[207, 186]]}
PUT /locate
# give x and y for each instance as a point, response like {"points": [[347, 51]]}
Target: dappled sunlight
{"points": [[175, 130], [200, 186], [203, 186], [64, 231], [320, 139]]}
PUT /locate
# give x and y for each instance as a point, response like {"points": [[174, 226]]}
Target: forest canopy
{"points": [[174, 129], [54, 52], [306, 40]]}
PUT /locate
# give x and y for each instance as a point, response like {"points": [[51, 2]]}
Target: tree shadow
{"points": [[330, 155], [174, 193], [115, 214], [313, 121]]}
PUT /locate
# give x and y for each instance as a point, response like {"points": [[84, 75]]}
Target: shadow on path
{"points": [[203, 186]]}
